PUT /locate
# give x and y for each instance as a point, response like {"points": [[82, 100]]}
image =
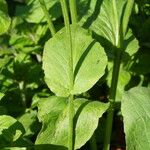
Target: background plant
{"points": [[24, 94]]}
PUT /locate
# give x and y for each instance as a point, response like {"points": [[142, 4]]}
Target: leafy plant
{"points": [[73, 74], [4, 18]]}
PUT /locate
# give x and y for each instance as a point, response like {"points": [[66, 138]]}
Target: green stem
{"points": [[116, 25], [126, 16], [71, 126], [22, 90], [73, 11], [48, 18], [71, 97], [110, 113], [115, 74]]}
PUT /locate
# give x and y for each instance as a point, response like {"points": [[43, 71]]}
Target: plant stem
{"points": [[126, 16], [115, 74], [22, 90], [66, 16], [48, 18], [110, 112], [73, 11], [71, 126], [71, 74]]}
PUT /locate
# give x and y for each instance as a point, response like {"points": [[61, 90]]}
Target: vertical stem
{"points": [[126, 16], [115, 74], [116, 25], [73, 11], [22, 90], [48, 18], [71, 126], [71, 75], [110, 113], [65, 15]]}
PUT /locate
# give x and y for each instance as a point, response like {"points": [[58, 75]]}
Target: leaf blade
{"points": [[55, 121], [135, 110], [87, 54]]}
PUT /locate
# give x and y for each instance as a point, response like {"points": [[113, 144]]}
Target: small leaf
{"points": [[28, 121], [10, 129], [136, 114], [1, 95], [131, 44], [89, 62], [55, 120]]}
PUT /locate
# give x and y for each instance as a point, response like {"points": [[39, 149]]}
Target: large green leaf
{"points": [[89, 62], [10, 130], [135, 110], [104, 18], [53, 113], [4, 18]]}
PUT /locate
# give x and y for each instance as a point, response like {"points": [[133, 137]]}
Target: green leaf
{"points": [[131, 44], [10, 130], [28, 121], [89, 62], [1, 95], [4, 18], [3, 62], [55, 120], [104, 18], [136, 114], [33, 12]]}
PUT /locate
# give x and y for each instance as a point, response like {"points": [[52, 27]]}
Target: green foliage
{"points": [[105, 18], [136, 114], [87, 54], [32, 12], [55, 120], [10, 130], [4, 18], [29, 122], [98, 58]]}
